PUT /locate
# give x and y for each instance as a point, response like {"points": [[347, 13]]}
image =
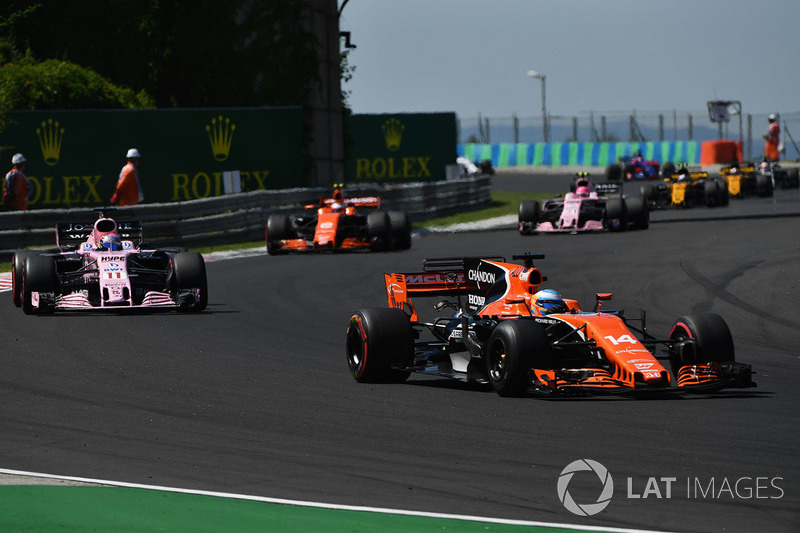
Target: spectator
{"points": [[17, 189], [129, 189]]}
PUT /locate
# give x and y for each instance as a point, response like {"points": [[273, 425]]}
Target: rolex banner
{"points": [[74, 157], [401, 147]]}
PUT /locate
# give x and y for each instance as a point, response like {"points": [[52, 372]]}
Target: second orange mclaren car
{"points": [[339, 224]]}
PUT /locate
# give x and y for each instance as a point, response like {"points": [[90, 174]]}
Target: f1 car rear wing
{"points": [[480, 279], [70, 235], [358, 201], [608, 188], [745, 168], [694, 173]]}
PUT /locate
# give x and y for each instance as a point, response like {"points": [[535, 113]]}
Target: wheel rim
{"points": [[355, 351], [497, 362]]}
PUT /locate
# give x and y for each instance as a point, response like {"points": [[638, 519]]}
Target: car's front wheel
{"points": [[189, 270], [38, 275], [514, 348], [699, 339], [17, 262]]}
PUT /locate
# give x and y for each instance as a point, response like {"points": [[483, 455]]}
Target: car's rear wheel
{"points": [[400, 222], [722, 189], [793, 178], [613, 173], [278, 229], [38, 275], [698, 339], [513, 349], [379, 231], [711, 193], [667, 170], [17, 261], [189, 270], [616, 216], [638, 212], [763, 185], [377, 340]]}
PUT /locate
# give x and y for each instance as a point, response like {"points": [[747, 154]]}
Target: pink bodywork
{"points": [[112, 271], [568, 221]]}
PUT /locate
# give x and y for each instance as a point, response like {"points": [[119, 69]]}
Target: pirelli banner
{"points": [[401, 147], [74, 157]]}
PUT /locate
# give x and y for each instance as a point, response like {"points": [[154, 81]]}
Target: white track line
{"points": [[335, 507]]}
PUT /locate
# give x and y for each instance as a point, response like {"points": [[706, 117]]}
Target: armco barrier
{"points": [[240, 217], [578, 153]]}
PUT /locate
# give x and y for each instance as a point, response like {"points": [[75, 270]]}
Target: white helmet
{"points": [[18, 159], [133, 153], [772, 117]]}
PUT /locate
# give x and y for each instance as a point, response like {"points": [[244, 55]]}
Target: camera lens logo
{"points": [[587, 509]]}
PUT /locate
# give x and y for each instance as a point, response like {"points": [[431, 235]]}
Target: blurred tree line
{"points": [[129, 54]]}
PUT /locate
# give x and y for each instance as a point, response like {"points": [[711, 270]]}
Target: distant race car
{"points": [[686, 187], [744, 179], [635, 167], [587, 207], [103, 266], [337, 224], [780, 177], [502, 330]]}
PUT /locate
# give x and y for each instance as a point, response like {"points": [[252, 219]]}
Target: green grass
{"points": [[503, 203]]}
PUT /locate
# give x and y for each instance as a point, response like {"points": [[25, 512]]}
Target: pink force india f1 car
{"points": [[504, 331], [588, 207], [102, 266]]}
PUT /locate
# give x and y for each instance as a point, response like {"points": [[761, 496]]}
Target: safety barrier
{"points": [[241, 217], [579, 153]]}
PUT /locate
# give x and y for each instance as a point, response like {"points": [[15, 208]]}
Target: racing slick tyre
{"points": [[638, 212], [377, 340], [724, 195], [278, 229], [38, 275], [763, 185], [616, 216], [379, 231], [529, 211], [667, 170], [698, 339], [17, 261], [613, 173], [189, 270], [400, 223], [515, 347], [711, 193], [792, 179]]}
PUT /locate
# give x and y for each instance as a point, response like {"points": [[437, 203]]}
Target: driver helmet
{"points": [[111, 243], [583, 191], [337, 206], [548, 301]]}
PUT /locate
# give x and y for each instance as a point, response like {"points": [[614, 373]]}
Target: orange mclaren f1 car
{"points": [[506, 332], [339, 224]]}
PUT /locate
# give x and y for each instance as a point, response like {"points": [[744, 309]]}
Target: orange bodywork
{"points": [[495, 290], [325, 235], [330, 214]]}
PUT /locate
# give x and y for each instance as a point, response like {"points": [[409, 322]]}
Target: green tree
{"points": [[54, 84], [203, 53]]}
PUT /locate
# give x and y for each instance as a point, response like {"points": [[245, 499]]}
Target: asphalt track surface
{"points": [[253, 396]]}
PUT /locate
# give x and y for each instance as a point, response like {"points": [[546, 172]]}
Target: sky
{"points": [[473, 56]]}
